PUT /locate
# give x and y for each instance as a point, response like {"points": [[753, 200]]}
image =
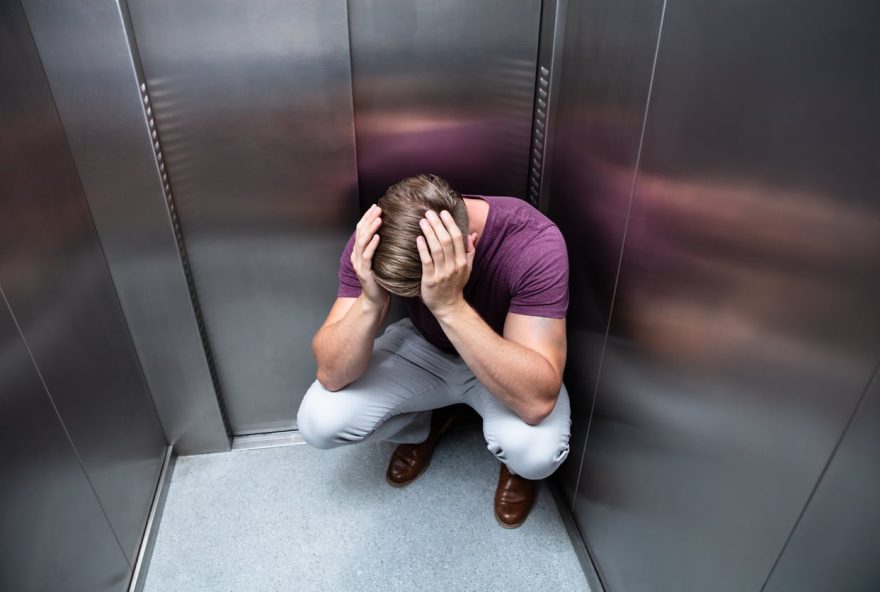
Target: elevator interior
{"points": [[178, 178]]}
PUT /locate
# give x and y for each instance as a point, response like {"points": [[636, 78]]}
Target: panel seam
{"points": [[535, 143], [83, 196], [354, 134], [622, 249], [171, 208], [67, 435], [871, 380], [100, 245]]}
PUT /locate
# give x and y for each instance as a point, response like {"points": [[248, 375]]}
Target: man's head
{"points": [[396, 263]]}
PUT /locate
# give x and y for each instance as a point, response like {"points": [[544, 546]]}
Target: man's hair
{"points": [[396, 263]]}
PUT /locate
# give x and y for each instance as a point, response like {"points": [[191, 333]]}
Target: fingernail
{"points": [[430, 213]]}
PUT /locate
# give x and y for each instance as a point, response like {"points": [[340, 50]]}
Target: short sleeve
{"points": [[540, 284], [349, 285]]}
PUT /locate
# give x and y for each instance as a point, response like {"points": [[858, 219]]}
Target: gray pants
{"points": [[406, 379]]}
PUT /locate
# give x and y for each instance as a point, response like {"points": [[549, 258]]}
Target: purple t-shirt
{"points": [[521, 266]]}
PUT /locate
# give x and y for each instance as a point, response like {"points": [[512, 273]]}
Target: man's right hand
{"points": [[365, 243]]}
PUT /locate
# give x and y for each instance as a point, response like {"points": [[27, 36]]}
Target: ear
{"points": [[470, 249]]}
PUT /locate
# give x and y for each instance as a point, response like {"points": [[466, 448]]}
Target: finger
{"points": [[455, 236], [425, 256], [433, 243], [471, 250], [371, 248], [371, 212], [443, 238], [365, 218], [366, 233]]}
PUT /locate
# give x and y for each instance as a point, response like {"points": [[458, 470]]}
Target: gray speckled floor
{"points": [[296, 518]]}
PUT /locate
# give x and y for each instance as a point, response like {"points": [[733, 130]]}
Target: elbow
{"points": [[329, 383], [541, 408], [538, 412]]}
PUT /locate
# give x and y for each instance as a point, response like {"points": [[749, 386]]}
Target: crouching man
{"points": [[485, 283]]}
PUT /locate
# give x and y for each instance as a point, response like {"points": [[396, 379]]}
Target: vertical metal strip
{"points": [[357, 171], [539, 134], [181, 247], [622, 249], [540, 102], [151, 529], [547, 80]]}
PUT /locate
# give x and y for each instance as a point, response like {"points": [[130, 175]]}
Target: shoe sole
{"points": [[510, 526]]}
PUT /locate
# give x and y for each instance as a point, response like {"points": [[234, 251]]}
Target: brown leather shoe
{"points": [[410, 460], [513, 498]]}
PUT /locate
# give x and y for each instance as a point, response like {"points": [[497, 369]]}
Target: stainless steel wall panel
{"points": [[58, 286], [608, 54], [254, 115], [834, 546], [745, 323], [554, 15], [445, 88], [94, 80], [53, 533]]}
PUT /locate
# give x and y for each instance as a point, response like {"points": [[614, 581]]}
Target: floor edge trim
{"points": [[148, 541], [577, 540]]}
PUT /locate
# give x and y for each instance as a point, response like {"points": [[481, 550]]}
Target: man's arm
{"points": [[344, 343], [524, 367]]}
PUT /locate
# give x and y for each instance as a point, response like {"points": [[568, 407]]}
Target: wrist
{"points": [[449, 312], [370, 306]]}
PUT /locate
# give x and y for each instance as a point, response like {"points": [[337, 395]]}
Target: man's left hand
{"points": [[446, 262]]}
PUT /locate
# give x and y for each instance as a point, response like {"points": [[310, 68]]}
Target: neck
{"points": [[478, 212]]}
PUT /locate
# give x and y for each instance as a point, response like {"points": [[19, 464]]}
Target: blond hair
{"points": [[396, 263]]}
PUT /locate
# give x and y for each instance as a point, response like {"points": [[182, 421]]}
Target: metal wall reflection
{"points": [[445, 88], [834, 544], [600, 106], [57, 286], [745, 324], [92, 71], [254, 116], [53, 533]]}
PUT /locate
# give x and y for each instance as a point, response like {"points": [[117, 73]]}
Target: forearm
{"points": [[519, 377], [343, 349]]}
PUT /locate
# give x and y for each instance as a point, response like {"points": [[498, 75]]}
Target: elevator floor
{"points": [[295, 518]]}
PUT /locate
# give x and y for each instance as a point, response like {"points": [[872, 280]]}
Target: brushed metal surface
{"points": [[58, 287], [745, 323], [598, 108], [53, 532], [551, 49], [444, 88], [91, 70], [834, 546], [253, 108]]}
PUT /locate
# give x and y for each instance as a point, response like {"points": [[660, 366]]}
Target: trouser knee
{"points": [[531, 453], [320, 420]]}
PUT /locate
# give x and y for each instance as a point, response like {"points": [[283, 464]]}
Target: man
{"points": [[485, 282]]}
